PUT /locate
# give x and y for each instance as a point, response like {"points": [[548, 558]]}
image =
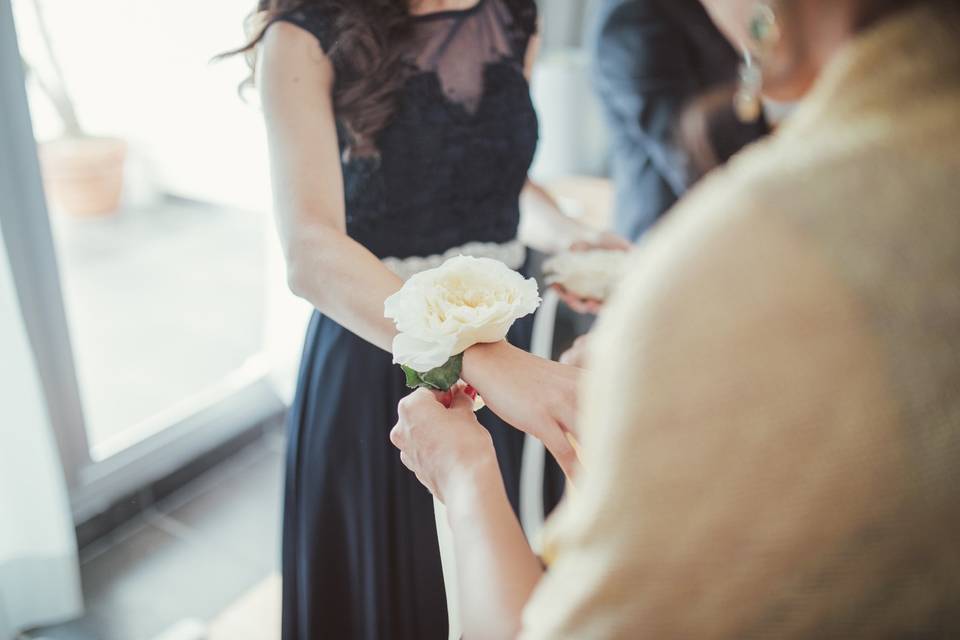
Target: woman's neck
{"points": [[813, 35], [420, 7]]}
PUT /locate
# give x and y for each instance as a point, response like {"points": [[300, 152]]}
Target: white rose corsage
{"points": [[442, 312], [592, 275]]}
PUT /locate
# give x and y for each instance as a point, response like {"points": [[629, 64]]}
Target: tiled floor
{"points": [[255, 616], [191, 557]]}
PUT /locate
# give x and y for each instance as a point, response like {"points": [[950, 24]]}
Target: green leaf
{"points": [[414, 381], [441, 378]]}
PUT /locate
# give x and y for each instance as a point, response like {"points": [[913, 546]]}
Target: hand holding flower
{"points": [[586, 275], [576, 355], [444, 447]]}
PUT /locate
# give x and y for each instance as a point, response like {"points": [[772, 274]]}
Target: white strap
{"points": [[448, 562], [534, 454]]}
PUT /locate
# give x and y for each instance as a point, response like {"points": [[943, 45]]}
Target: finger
{"points": [[572, 356], [423, 396], [565, 412], [555, 440], [444, 397], [585, 305], [586, 308], [565, 295], [577, 449], [593, 307], [576, 303], [576, 356], [614, 241], [396, 436], [410, 404], [579, 306]]}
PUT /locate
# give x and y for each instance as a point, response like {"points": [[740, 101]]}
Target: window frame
{"points": [[155, 448]]}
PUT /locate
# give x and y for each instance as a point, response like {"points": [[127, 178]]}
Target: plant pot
{"points": [[84, 176]]}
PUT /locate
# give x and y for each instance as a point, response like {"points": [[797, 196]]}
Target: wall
{"points": [[38, 566]]}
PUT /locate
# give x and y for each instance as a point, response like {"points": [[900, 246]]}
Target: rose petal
{"points": [[422, 355]]}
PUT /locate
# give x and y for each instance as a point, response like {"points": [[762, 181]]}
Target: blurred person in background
{"points": [[400, 132], [771, 425], [666, 79], [650, 60]]}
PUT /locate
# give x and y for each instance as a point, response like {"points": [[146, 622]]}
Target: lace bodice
{"points": [[454, 158]]}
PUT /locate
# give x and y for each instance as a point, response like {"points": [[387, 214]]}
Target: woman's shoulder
{"points": [[523, 13], [520, 20], [317, 18]]}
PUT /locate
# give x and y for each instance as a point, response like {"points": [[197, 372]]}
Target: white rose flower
{"points": [[442, 312], [589, 274]]}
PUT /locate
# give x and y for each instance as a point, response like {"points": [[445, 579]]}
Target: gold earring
{"points": [[764, 35]]}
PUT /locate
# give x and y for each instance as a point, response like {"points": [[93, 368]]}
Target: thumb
{"points": [[444, 397], [560, 447]]}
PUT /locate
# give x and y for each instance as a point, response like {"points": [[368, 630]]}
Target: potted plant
{"points": [[83, 174]]}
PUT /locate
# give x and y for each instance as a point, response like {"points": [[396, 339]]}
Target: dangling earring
{"points": [[764, 36]]}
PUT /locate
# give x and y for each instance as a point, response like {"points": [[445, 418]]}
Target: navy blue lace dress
{"points": [[360, 553]]}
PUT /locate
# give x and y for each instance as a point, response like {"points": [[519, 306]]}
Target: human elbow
{"points": [[301, 270], [313, 254], [296, 280]]}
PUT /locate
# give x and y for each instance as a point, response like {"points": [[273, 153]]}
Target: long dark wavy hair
{"points": [[366, 54]]}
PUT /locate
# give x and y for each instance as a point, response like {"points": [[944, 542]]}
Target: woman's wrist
{"points": [[588, 234], [479, 358], [469, 484], [573, 232]]}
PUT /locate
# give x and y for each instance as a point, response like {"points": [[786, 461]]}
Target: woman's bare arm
{"points": [[326, 267], [343, 279], [545, 226], [453, 456], [498, 569]]}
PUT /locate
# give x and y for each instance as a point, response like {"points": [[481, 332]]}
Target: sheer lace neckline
{"points": [[458, 46]]}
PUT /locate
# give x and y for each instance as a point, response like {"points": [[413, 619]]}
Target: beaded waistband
{"points": [[513, 254]]}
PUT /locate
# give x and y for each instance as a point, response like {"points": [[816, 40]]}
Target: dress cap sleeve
{"points": [[525, 24], [319, 19]]}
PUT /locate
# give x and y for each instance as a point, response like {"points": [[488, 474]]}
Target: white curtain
{"points": [[39, 573]]}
